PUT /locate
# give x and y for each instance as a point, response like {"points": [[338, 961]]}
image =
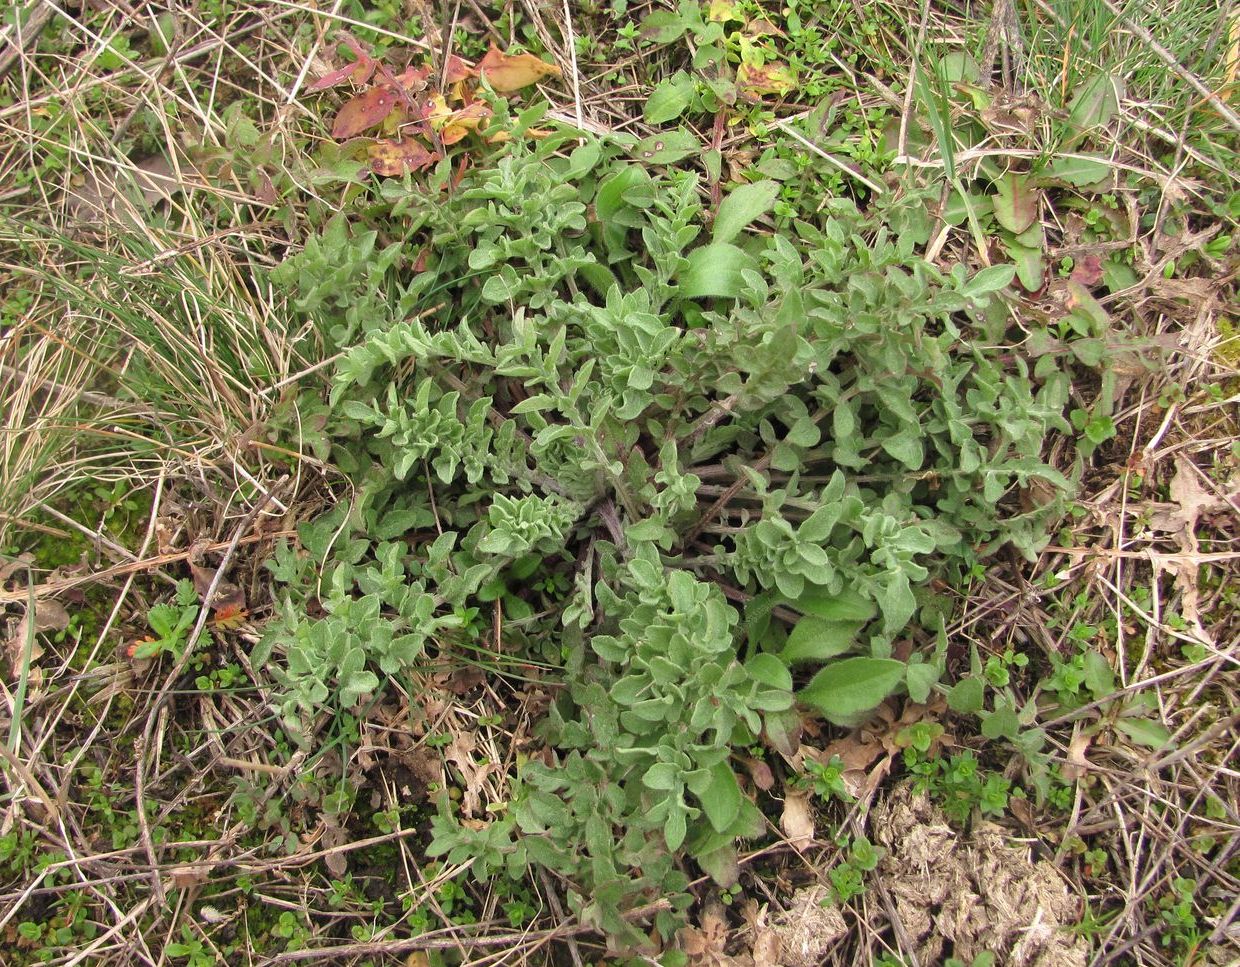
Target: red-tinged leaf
{"points": [[458, 70], [393, 158], [360, 71], [364, 112], [338, 76], [360, 51], [230, 617], [413, 79], [142, 649], [511, 72], [1088, 270], [773, 78]]}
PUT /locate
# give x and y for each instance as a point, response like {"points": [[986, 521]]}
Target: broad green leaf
{"points": [[1096, 102], [721, 800], [1099, 677], [958, 67], [1030, 266], [818, 526], [715, 271], [669, 98], [768, 670], [906, 447], [967, 696], [745, 204], [1145, 732], [1079, 172], [989, 280], [847, 605], [668, 148], [851, 686], [1016, 203], [662, 27], [676, 827], [721, 865], [814, 639], [662, 775], [897, 604], [1001, 723], [920, 678]]}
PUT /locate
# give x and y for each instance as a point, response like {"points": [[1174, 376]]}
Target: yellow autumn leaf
{"points": [[511, 72], [771, 78]]}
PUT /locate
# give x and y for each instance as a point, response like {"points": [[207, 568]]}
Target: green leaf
{"points": [[847, 605], [989, 280], [768, 670], [1078, 172], [662, 27], [1096, 102], [1145, 732], [669, 99], [906, 447], [814, 639], [967, 696], [897, 604], [1099, 678], [846, 688], [920, 678], [745, 204], [662, 775], [675, 828], [1002, 723], [721, 800], [721, 865], [1016, 204], [1030, 266], [715, 271], [668, 148]]}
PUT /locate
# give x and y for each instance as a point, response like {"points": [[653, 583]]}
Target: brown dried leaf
{"points": [[797, 820], [364, 111], [49, 615], [706, 944], [460, 753], [766, 949], [760, 773], [11, 567], [184, 877], [104, 192], [1075, 764], [392, 158], [229, 599], [511, 72]]}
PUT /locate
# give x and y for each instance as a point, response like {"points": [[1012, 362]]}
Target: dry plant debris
{"points": [[962, 895]]}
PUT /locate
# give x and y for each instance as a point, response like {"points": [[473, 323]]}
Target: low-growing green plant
{"points": [[563, 356], [848, 876], [171, 624], [958, 784]]}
